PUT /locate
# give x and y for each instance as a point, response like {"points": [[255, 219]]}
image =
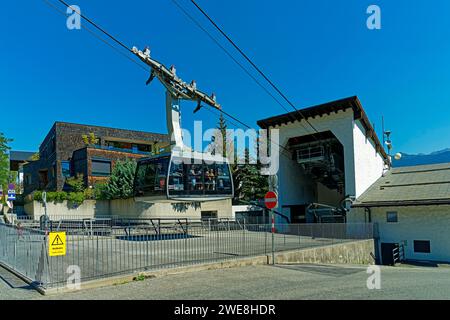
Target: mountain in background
{"points": [[407, 160]]}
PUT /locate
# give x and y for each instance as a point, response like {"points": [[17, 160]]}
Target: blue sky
{"points": [[316, 51]]}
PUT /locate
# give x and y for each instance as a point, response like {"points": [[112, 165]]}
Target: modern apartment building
{"points": [[70, 149]]}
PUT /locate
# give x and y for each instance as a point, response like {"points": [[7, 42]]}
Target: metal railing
{"points": [[111, 246], [398, 254]]}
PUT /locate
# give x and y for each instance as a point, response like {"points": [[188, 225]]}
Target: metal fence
{"points": [[104, 247]]}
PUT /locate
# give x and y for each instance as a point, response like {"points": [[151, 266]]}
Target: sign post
{"points": [[11, 192], [271, 202], [11, 195], [44, 200]]}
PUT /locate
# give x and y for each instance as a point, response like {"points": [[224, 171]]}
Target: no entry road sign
{"points": [[270, 199]]}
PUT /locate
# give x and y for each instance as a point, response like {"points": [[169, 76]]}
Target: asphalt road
{"points": [[264, 282]]}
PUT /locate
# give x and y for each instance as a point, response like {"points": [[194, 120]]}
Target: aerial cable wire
{"points": [[193, 20], [97, 26], [252, 63], [134, 61]]}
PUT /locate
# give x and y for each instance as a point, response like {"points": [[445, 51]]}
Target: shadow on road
{"points": [[329, 270], [13, 281]]}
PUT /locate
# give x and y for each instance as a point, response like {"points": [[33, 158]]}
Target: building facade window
{"points": [[101, 168], [132, 147], [65, 168], [391, 217], [422, 246]]}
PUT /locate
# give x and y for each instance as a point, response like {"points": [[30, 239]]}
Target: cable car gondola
{"points": [[181, 174], [169, 177]]}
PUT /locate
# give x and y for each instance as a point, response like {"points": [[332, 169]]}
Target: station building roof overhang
{"points": [[327, 109]]}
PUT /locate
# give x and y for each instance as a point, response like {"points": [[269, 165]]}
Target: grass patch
{"points": [[142, 277]]}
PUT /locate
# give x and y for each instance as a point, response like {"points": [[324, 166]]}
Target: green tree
{"points": [[249, 184], [4, 161], [76, 183], [120, 184], [100, 191], [221, 141]]}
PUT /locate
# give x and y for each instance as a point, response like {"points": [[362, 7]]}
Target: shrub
{"points": [[57, 196], [60, 196], [100, 191], [76, 183], [120, 184], [76, 197], [37, 196], [89, 194]]}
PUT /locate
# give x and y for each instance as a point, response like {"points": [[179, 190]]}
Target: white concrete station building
{"points": [[331, 159], [329, 152]]}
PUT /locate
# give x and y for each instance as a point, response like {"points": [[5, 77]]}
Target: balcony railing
{"points": [[134, 151]]}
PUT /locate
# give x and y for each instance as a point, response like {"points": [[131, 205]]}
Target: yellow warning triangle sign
{"points": [[57, 241]]}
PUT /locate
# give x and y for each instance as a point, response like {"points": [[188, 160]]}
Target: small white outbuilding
{"points": [[410, 209]]}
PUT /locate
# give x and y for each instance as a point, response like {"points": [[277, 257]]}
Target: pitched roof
{"points": [[417, 185], [328, 108]]}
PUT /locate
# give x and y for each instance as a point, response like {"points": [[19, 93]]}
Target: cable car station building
{"points": [[328, 153]]}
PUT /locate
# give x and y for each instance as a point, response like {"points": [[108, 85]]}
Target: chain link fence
{"points": [[109, 246]]}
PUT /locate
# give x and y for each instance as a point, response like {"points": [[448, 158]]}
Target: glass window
{"points": [[144, 147], [199, 179], [391, 216], [223, 178], [176, 178], [195, 178], [144, 178], [422, 246], [65, 168], [210, 177], [101, 168], [161, 175], [151, 177]]}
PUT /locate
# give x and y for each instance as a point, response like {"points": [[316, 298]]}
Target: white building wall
{"points": [[368, 162], [292, 188], [414, 223]]}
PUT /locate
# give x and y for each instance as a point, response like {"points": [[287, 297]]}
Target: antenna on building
{"points": [[387, 142]]}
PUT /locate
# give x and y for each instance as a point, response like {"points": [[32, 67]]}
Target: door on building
{"points": [[387, 254], [209, 215], [43, 179]]}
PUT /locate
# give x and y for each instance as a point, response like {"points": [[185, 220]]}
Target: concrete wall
{"points": [[368, 162], [131, 209], [88, 209], [414, 223], [355, 252]]}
